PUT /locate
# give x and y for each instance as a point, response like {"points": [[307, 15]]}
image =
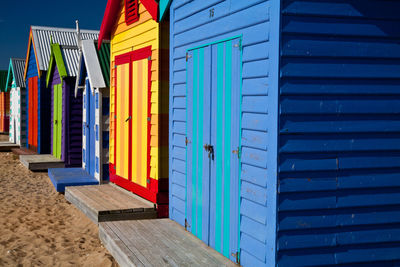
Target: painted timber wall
{"points": [[143, 34], [71, 119], [16, 87], [40, 131], [339, 148], [4, 112], [95, 145], [94, 74], [17, 115], [256, 23]]}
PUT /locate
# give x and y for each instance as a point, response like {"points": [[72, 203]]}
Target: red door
{"points": [[2, 114], [131, 168], [33, 112]]}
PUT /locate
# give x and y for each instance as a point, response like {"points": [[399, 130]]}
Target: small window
{"points": [[131, 11]]}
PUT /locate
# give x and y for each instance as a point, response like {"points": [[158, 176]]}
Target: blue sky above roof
{"points": [[17, 16]]}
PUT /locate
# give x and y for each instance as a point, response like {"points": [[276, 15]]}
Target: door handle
{"points": [[128, 118], [210, 150]]}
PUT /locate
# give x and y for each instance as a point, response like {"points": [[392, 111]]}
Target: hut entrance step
{"points": [[63, 177], [22, 151], [160, 242], [106, 202], [41, 162], [7, 146]]}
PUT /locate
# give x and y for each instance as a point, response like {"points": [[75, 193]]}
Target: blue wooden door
{"points": [[213, 133], [90, 130]]}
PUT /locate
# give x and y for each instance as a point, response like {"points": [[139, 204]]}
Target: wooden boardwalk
{"points": [[40, 162], [159, 242], [106, 202], [7, 146]]}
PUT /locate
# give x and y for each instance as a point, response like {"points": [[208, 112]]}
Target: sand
{"points": [[38, 227]]}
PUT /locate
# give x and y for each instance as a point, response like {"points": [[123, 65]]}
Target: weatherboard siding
{"points": [[339, 134], [72, 114], [196, 23]]}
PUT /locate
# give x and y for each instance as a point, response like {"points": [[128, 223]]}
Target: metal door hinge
{"points": [[237, 152], [187, 141], [239, 45], [188, 56], [236, 256], [148, 181], [149, 58]]}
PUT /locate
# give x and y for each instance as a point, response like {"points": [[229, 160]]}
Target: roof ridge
{"points": [[49, 28]]}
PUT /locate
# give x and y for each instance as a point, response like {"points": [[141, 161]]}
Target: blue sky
{"points": [[16, 16]]}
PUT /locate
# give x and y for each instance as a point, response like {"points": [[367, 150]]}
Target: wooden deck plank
{"points": [[103, 203], [7, 146], [117, 248], [123, 234], [40, 162], [170, 251], [99, 198], [114, 199], [83, 203], [161, 242], [124, 195], [180, 237]]}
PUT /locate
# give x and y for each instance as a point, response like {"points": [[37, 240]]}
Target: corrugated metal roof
{"points": [[104, 59], [65, 37], [95, 64], [71, 59], [92, 64], [18, 65]]}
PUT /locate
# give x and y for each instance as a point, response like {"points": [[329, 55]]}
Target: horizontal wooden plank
{"points": [[349, 8], [339, 27], [295, 46], [300, 124], [355, 105], [342, 143], [312, 86]]}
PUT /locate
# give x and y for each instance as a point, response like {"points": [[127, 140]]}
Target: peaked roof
{"points": [[66, 58], [95, 63], [15, 72], [40, 37], [111, 15]]}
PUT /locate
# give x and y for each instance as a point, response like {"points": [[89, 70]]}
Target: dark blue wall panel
{"points": [[339, 133], [72, 114]]}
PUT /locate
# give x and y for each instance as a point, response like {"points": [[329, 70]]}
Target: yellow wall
{"points": [[126, 38]]}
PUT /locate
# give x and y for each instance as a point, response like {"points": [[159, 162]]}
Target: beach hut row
{"points": [[270, 130]]}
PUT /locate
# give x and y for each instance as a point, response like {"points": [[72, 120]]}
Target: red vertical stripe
{"points": [[149, 124]]}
